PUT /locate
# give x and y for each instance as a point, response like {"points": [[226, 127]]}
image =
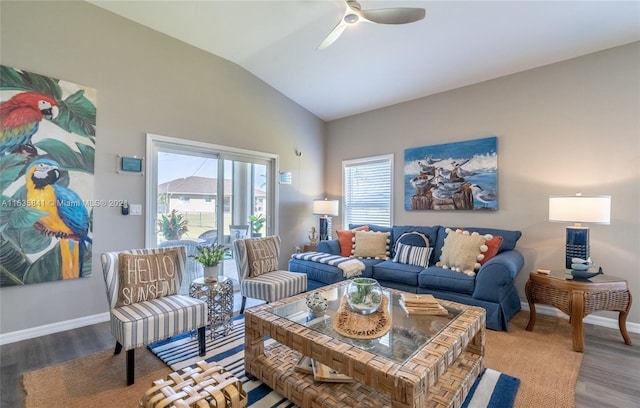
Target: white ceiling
{"points": [[374, 65]]}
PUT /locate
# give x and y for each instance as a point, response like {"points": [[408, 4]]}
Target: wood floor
{"points": [[609, 375]]}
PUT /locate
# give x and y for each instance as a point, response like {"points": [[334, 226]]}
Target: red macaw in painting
{"points": [[66, 216], [20, 117]]}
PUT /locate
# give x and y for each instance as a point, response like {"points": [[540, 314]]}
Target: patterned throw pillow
{"points": [[412, 255], [346, 237], [370, 244], [463, 250], [146, 277], [262, 255]]}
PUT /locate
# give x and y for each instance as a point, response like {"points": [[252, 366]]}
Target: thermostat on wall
{"points": [[130, 164]]}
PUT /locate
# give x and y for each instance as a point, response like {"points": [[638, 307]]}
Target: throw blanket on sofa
{"points": [[350, 267]]}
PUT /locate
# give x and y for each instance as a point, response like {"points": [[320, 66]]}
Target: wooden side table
{"points": [[578, 298], [309, 248]]}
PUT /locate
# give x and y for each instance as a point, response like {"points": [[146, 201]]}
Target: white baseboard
{"points": [[596, 320], [25, 334], [43, 330]]}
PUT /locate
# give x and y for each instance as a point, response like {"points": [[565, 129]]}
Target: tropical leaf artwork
{"points": [[47, 154]]}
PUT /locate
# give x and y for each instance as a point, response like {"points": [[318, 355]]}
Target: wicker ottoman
{"points": [[206, 385]]}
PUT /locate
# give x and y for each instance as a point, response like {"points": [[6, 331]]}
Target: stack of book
{"points": [[422, 304]]}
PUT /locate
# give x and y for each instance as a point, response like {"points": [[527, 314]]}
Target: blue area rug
{"points": [[492, 389]]}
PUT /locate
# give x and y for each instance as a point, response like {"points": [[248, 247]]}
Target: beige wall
{"points": [[567, 127], [149, 83]]}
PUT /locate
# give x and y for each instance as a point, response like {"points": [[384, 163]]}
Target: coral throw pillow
{"points": [[262, 255], [370, 244], [463, 251], [493, 246], [146, 277], [346, 237]]}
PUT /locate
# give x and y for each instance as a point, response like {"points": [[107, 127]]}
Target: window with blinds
{"points": [[368, 190]]}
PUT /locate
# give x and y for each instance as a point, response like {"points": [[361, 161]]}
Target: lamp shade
{"points": [[579, 209], [326, 207]]}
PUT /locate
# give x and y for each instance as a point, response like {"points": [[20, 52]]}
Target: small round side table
{"points": [[578, 298], [219, 298]]}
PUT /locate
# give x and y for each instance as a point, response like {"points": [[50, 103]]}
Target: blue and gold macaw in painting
{"points": [[66, 217]]}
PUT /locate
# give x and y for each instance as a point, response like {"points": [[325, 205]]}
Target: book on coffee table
{"points": [[305, 365], [325, 373]]}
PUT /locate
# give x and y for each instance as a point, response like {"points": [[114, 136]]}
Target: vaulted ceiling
{"points": [[375, 65]]}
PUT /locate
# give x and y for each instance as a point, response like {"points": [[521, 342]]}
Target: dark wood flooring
{"points": [[609, 375]]}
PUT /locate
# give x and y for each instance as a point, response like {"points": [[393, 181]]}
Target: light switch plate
{"points": [[135, 209]]}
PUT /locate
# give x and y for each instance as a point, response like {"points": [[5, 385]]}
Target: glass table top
{"points": [[408, 333]]}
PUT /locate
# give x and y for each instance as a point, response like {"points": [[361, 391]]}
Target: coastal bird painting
{"points": [[486, 197], [452, 176], [20, 118], [65, 216]]}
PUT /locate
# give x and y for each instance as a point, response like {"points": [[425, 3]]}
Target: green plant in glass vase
{"points": [[173, 226], [364, 295]]}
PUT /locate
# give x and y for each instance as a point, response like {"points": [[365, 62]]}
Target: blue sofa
{"points": [[492, 288]]}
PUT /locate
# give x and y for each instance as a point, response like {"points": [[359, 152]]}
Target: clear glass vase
{"points": [[364, 295]]}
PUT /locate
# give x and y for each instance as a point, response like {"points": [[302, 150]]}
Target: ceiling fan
{"points": [[355, 14]]}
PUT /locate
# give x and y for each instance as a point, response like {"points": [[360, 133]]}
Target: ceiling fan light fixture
{"points": [[351, 18]]}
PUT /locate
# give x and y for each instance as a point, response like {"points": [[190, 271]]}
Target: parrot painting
{"points": [[66, 216], [20, 117]]}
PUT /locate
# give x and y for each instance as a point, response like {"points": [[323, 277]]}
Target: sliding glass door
{"points": [[200, 194]]}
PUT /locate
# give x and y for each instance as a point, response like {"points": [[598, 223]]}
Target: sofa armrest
{"points": [[495, 278], [331, 246]]}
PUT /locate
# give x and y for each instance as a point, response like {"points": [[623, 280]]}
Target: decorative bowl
{"points": [[364, 295], [581, 274]]}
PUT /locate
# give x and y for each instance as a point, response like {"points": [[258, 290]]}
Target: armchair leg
{"points": [[130, 366], [244, 303], [202, 344], [118, 348]]}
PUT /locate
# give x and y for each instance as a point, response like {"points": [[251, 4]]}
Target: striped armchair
{"points": [[138, 324], [269, 286]]}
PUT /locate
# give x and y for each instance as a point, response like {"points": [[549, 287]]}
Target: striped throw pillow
{"points": [[412, 255]]}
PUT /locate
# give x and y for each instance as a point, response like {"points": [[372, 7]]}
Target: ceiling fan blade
{"points": [[393, 15], [333, 35]]}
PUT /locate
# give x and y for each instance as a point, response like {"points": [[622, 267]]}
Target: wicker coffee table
{"points": [[422, 361], [578, 298]]}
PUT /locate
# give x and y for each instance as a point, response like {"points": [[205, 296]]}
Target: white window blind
{"points": [[368, 190]]}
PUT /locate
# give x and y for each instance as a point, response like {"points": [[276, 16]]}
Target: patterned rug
{"points": [[492, 389]]}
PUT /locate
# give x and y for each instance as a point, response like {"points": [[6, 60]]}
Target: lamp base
{"points": [[325, 228], [577, 244]]}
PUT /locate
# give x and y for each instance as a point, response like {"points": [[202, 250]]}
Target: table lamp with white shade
{"points": [[327, 209], [579, 209]]}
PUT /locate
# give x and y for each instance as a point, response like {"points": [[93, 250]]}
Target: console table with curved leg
{"points": [[578, 298]]}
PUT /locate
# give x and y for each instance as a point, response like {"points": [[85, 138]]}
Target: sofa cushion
{"points": [[371, 244], [376, 228], [412, 255], [509, 237], [346, 239], [462, 250], [396, 272], [493, 246], [445, 279], [430, 232]]}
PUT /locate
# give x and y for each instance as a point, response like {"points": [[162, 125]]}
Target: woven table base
{"points": [[357, 326], [206, 385]]}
